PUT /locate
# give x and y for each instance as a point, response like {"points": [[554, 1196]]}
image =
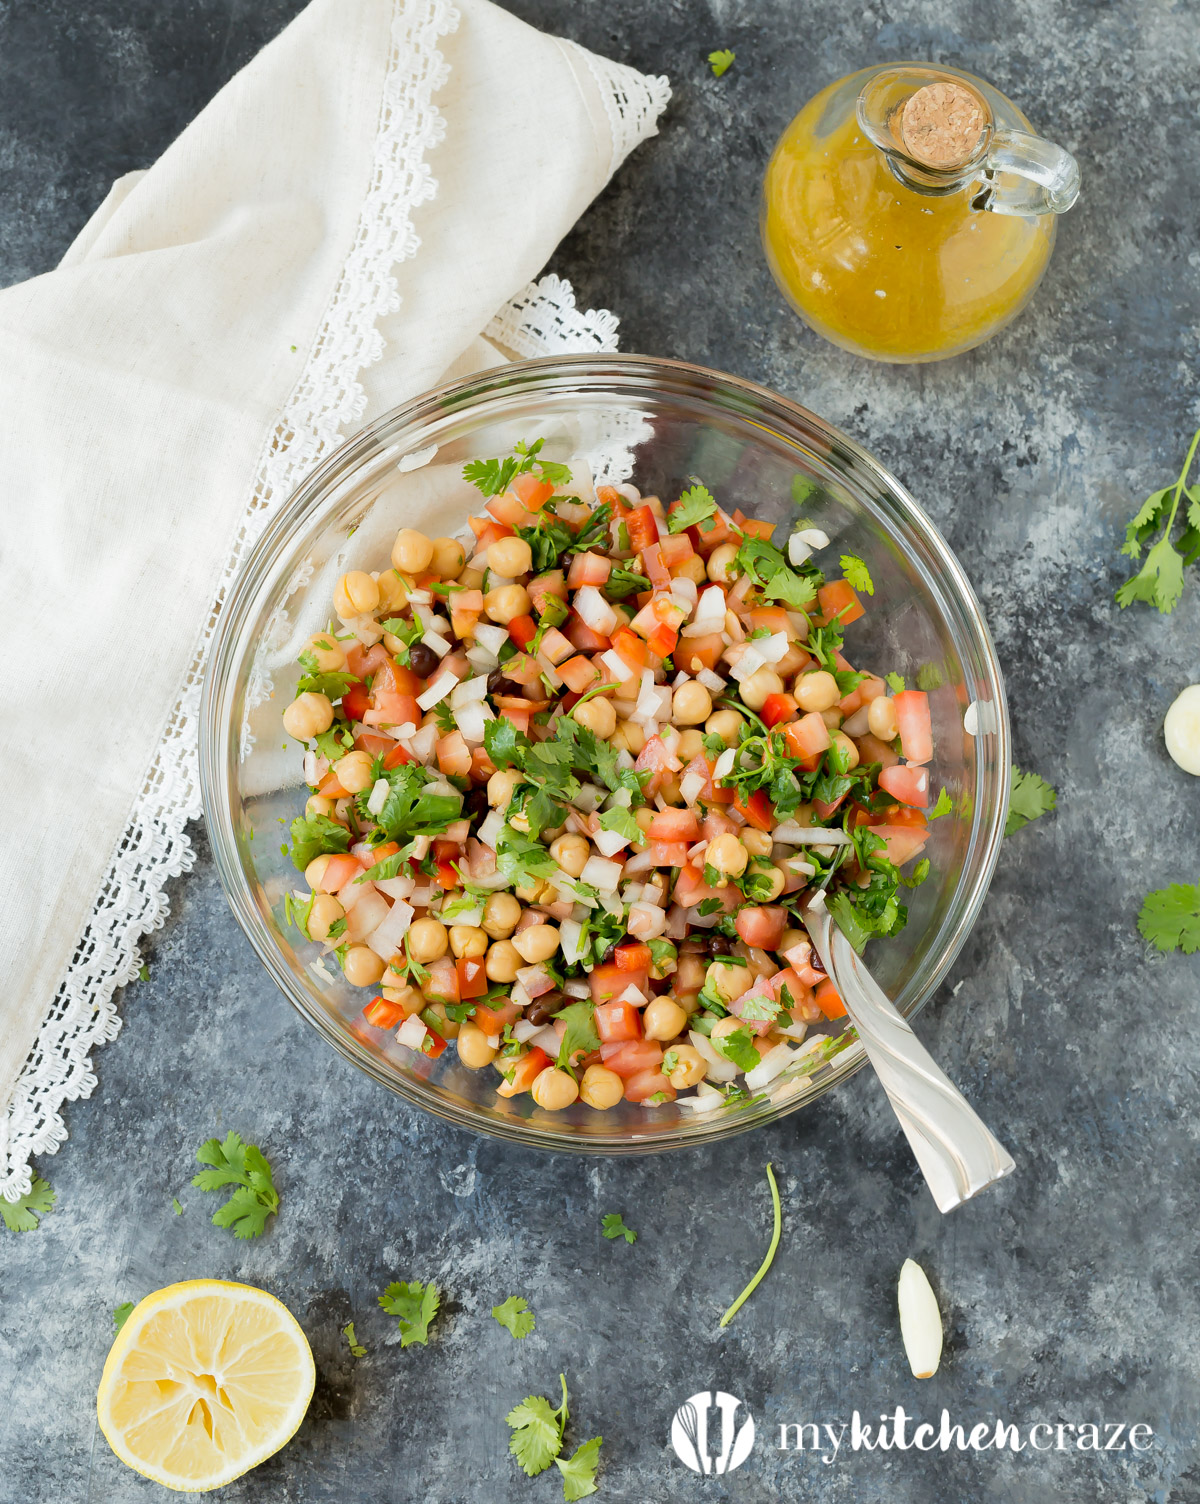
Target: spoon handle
{"points": [[957, 1152]]}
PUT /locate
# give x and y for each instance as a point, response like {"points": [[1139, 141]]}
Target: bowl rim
{"points": [[309, 495]]}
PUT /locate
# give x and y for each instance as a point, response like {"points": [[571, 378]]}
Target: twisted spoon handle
{"points": [[956, 1151]]}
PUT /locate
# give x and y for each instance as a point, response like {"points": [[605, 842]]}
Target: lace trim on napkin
{"points": [[632, 101], [541, 320]]}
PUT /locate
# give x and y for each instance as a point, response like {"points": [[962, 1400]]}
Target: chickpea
{"points": [[762, 683], [412, 551], [817, 690], [629, 737], [393, 593], [663, 1018], [691, 704], [728, 980], [308, 715], [726, 724], [507, 603], [467, 941], [756, 842], [791, 938], [691, 744], [759, 961], [849, 750], [354, 771], [881, 720], [727, 854], [475, 1048], [690, 1067], [537, 943], [317, 804], [541, 892], [323, 915], [571, 853], [598, 716], [355, 594], [722, 1027], [426, 941], [500, 787], [509, 557], [503, 962], [406, 997], [328, 652], [671, 789], [763, 873], [600, 1088], [553, 1089], [644, 818], [722, 563], [449, 1029], [448, 558], [692, 568], [471, 579], [362, 967], [832, 718], [314, 873]]}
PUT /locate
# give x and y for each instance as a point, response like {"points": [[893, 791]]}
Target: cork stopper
{"points": [[942, 124]]}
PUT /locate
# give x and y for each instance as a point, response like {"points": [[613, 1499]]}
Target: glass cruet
{"points": [[909, 212]]}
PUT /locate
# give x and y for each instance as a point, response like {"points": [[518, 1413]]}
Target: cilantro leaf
{"points": [[770, 571], [121, 1314], [696, 505], [537, 1431], [720, 62], [1159, 582], [414, 1305], [579, 1470], [411, 807], [620, 822], [243, 1165], [895, 682], [614, 1227], [664, 954], [334, 743], [943, 806], [352, 1342], [505, 745], [521, 859], [332, 685], [930, 677], [177, 1208], [857, 573], [1170, 919], [313, 836], [622, 582], [917, 876], [515, 1315], [737, 1047], [1031, 797], [581, 1032], [494, 476]]}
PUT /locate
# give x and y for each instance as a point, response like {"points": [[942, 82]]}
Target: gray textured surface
{"points": [[1071, 1290]]}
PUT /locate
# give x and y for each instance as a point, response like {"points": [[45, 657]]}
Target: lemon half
{"points": [[205, 1380]]}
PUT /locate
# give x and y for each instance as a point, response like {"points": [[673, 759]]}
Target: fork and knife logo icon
{"points": [[707, 1434]]}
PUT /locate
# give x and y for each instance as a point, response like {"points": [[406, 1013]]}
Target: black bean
{"points": [[608, 955], [498, 685], [475, 805], [815, 962], [543, 1008], [422, 659], [720, 945]]}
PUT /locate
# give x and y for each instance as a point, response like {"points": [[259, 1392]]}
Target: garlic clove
{"points": [[920, 1320], [1181, 729]]}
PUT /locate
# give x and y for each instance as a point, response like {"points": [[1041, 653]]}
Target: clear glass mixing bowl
{"points": [[656, 422]]}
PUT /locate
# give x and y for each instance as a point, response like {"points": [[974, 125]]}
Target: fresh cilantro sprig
{"points": [[414, 1305], [121, 1315], [357, 1350], [23, 1214], [771, 572], [696, 506], [624, 582], [495, 476], [245, 1166], [333, 685], [1031, 797], [895, 682], [721, 61], [314, 836], [581, 1032], [515, 1316], [537, 1431], [1170, 919], [857, 574], [579, 1470], [1160, 579], [412, 807], [776, 1231], [613, 1225]]}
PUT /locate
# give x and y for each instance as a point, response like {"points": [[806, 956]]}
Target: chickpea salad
{"points": [[573, 783]]}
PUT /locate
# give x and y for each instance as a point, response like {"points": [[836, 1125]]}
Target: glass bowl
{"points": [[655, 422]]}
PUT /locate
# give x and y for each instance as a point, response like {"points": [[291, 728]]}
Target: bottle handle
{"points": [[1025, 175]]}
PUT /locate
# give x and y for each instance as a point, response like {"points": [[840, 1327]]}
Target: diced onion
{"points": [[438, 690], [481, 658], [437, 642], [719, 1069], [633, 995], [684, 592], [616, 665], [466, 691], [489, 830], [858, 723], [749, 663], [412, 1032], [601, 874], [378, 796], [651, 920], [774, 1061], [712, 682], [791, 834], [523, 1031], [589, 798], [490, 637], [609, 842], [396, 887], [570, 940], [385, 938], [724, 764], [772, 649], [690, 786], [471, 721], [423, 743], [595, 611]]}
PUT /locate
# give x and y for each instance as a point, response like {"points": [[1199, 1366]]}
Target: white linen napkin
{"points": [[332, 235]]}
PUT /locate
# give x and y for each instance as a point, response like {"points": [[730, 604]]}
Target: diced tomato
{"points": [[579, 673], [903, 841], [630, 649], [711, 793], [829, 999], [393, 710], [340, 869], [532, 491], [909, 785], [356, 701], [695, 653], [871, 749], [753, 527], [632, 955], [588, 569], [646, 1084], [826, 810], [482, 766], [777, 708], [762, 926], [611, 497], [691, 889], [901, 814], [757, 809], [772, 619], [676, 549], [803, 1006], [510, 510], [838, 599], [662, 640], [635, 1055], [432, 1045], [524, 1073], [381, 1014], [551, 585], [716, 824], [643, 530], [492, 1020], [916, 727], [580, 635], [668, 853], [453, 754], [472, 977], [522, 630], [442, 982], [808, 737], [658, 762], [617, 1022], [656, 566], [373, 855], [396, 679], [675, 825], [330, 788]]}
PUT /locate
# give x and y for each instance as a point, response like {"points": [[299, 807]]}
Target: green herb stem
{"points": [[766, 1263]]}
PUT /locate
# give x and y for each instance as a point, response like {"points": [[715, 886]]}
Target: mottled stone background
{"points": [[1070, 1291]]}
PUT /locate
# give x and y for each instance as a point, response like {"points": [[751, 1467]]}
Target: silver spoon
{"points": [[956, 1151]]}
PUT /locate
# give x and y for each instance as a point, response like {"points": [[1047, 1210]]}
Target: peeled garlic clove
{"points": [[1181, 729], [920, 1321]]}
